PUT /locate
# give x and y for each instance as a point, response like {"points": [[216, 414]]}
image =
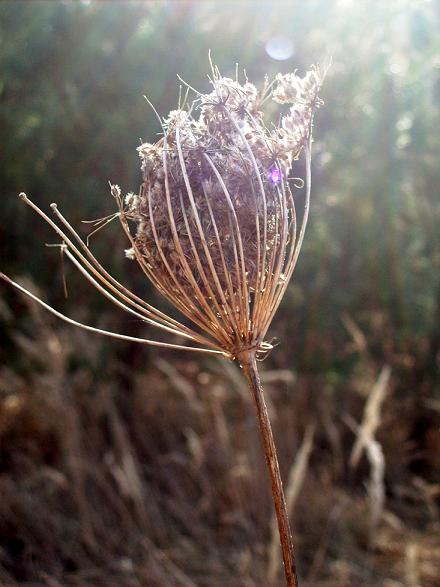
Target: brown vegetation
{"points": [[155, 477]]}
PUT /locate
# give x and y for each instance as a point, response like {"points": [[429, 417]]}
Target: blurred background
{"points": [[127, 467]]}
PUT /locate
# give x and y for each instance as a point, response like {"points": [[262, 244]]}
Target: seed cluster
{"points": [[215, 213]]}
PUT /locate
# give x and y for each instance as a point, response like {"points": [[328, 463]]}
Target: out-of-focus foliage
{"points": [[73, 76], [367, 287]]}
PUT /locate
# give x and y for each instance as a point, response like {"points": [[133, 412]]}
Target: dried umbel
{"points": [[215, 229], [216, 222]]}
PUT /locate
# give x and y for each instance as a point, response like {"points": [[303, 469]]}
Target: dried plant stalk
{"points": [[249, 365], [216, 231]]}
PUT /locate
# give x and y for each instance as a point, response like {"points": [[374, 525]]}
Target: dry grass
{"points": [[109, 479]]}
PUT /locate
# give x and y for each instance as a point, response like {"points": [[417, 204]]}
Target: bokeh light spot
{"points": [[279, 48]]}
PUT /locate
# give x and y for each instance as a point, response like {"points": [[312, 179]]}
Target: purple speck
{"points": [[274, 175]]}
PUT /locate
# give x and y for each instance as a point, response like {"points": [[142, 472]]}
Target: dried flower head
{"points": [[215, 230], [216, 223], [215, 215]]}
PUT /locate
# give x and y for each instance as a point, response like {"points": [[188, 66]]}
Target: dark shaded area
{"points": [[121, 466]]}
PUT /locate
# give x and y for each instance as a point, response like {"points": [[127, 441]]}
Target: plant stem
{"points": [[249, 364]]}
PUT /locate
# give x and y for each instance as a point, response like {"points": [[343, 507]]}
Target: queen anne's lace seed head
{"points": [[216, 231], [215, 214]]}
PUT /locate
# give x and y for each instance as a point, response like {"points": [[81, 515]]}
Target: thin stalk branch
{"points": [[145, 341], [248, 362]]}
